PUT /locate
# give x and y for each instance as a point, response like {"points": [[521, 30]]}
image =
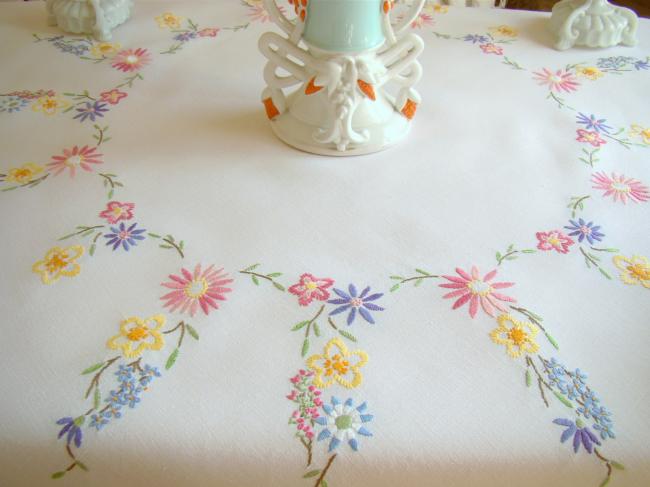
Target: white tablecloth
{"points": [[505, 242]]}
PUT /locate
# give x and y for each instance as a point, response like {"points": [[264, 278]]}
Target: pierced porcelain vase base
{"points": [[95, 17]]}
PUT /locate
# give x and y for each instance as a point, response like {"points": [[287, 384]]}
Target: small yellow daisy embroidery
{"points": [[518, 337], [137, 335], [634, 270], [59, 262], [169, 20], [338, 364], [589, 72], [24, 174]]}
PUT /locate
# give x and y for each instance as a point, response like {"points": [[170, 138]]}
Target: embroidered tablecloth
{"points": [[187, 301]]}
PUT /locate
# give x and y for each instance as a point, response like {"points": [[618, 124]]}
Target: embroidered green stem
{"points": [[511, 254], [343, 333], [592, 260], [540, 380], [80, 97], [321, 479], [31, 184], [610, 465], [129, 80], [308, 447], [170, 243], [591, 155], [442, 36], [255, 276], [513, 64], [624, 142], [173, 48], [82, 230], [171, 360], [536, 320], [576, 203], [180, 325], [605, 250], [418, 279], [95, 380], [558, 100], [237, 28], [100, 135], [93, 245], [110, 180], [75, 463]]}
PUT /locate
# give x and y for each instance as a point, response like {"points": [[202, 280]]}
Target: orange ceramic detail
{"points": [[367, 89], [303, 14], [304, 3], [312, 87], [271, 109], [409, 109], [387, 6]]}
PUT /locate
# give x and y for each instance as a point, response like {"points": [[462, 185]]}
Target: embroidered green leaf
{"points": [[154, 235], [604, 273], [111, 193], [82, 466], [274, 274], [348, 335], [181, 244], [172, 359], [305, 347], [165, 246], [316, 329], [511, 247], [323, 483], [551, 340], [616, 465], [424, 273], [255, 280], [58, 475], [192, 331], [605, 482], [529, 251], [279, 286], [529, 379], [563, 399], [417, 283], [250, 268], [97, 398], [93, 368], [498, 256], [394, 288], [511, 257], [397, 278], [300, 325], [91, 251], [311, 473]]}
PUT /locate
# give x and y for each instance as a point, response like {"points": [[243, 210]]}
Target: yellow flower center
{"points": [[56, 262], [50, 103], [479, 287], [105, 48], [640, 271], [138, 333], [621, 187], [518, 336], [197, 288], [117, 211], [336, 364], [645, 133], [73, 160], [311, 285], [22, 174], [554, 241], [132, 59]]}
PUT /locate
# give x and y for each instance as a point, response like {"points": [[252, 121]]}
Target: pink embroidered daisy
{"points": [[208, 32], [73, 158], [258, 13], [113, 97], [191, 290], [470, 287], [590, 137], [554, 240], [131, 59], [621, 188], [558, 81], [116, 211], [491, 49], [422, 20], [310, 287]]}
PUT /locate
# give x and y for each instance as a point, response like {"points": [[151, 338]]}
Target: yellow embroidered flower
{"points": [[137, 335], [634, 270], [59, 262], [49, 105], [639, 131], [504, 31], [104, 49], [24, 174], [431, 7], [170, 20], [589, 72], [337, 364], [518, 338]]}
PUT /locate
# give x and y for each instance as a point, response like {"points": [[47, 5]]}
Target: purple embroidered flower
{"points": [[592, 123], [582, 435], [639, 65], [583, 230], [72, 427], [353, 302], [91, 110], [615, 62], [185, 36], [124, 236], [476, 39]]}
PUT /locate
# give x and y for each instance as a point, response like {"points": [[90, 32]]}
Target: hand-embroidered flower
{"points": [[185, 36], [311, 288], [589, 72], [202, 288], [353, 302], [113, 96], [59, 262], [24, 174], [559, 81], [208, 32], [423, 19], [74, 158], [582, 435], [490, 48], [583, 229], [438, 8], [504, 30], [91, 111], [257, 12], [343, 422], [470, 287], [116, 211], [50, 105], [476, 39], [169, 20], [590, 137], [621, 188], [306, 396], [12, 104], [517, 336], [124, 236], [72, 426], [634, 270], [129, 60], [137, 335], [592, 123], [554, 240], [338, 364], [104, 50], [638, 131]]}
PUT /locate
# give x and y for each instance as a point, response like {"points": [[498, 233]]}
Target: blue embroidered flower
{"points": [[583, 230], [91, 110], [605, 430], [592, 123], [353, 302], [185, 36], [98, 421], [601, 415], [132, 396], [76, 49], [72, 427], [12, 104], [343, 422], [615, 62], [639, 65], [124, 373], [476, 39], [582, 435], [124, 236], [148, 373]]}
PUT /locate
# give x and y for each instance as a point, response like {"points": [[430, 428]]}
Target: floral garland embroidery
{"points": [[182, 35]]}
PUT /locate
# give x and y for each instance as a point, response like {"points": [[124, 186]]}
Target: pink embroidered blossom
{"points": [[590, 137], [554, 240], [310, 287], [422, 20], [113, 97], [621, 188], [74, 158], [471, 287], [116, 211], [558, 81], [306, 398], [259, 13], [198, 289], [209, 32], [129, 60], [491, 49]]}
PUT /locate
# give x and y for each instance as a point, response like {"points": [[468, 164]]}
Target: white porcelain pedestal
{"points": [[96, 17]]}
